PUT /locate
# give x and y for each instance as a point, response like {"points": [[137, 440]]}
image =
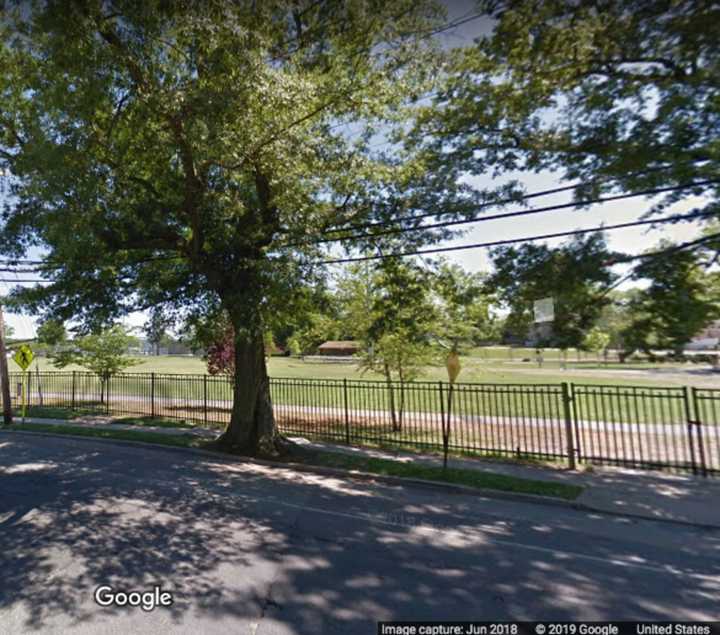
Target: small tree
{"points": [[103, 353], [462, 306], [397, 357], [596, 340], [155, 329], [220, 355], [52, 334], [397, 339]]}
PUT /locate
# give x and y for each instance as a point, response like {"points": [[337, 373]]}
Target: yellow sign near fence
{"points": [[23, 357]]}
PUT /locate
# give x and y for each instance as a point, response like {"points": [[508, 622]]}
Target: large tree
{"points": [[680, 300], [576, 275], [187, 154]]}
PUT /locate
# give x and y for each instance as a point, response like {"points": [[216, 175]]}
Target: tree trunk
{"points": [[391, 398], [401, 409], [252, 428]]}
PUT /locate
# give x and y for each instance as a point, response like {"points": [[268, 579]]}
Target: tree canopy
{"points": [[679, 302], [575, 275], [188, 155], [202, 158], [615, 95]]}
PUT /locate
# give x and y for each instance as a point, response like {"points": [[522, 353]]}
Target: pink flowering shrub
{"points": [[220, 355]]}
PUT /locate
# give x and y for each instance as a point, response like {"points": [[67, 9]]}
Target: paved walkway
{"points": [[655, 495], [674, 497]]}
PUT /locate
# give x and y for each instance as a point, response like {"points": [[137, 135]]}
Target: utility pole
{"points": [[4, 376]]}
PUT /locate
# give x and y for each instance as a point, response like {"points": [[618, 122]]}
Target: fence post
{"points": [[567, 399], [346, 411], [445, 434], [205, 413], [152, 395], [72, 399], [39, 383], [699, 425], [107, 395], [694, 423]]}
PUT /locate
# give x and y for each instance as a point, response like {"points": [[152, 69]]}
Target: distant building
{"points": [[171, 347], [339, 348], [707, 339]]}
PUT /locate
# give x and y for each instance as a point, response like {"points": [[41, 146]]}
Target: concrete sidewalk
{"points": [[673, 497], [652, 495]]}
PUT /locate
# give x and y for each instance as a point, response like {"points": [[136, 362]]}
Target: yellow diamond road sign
{"points": [[23, 356], [453, 366]]}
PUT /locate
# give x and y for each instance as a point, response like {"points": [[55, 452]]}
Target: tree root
{"points": [[273, 447]]}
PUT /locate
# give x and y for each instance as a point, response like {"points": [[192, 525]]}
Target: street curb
{"points": [[324, 471], [456, 488]]}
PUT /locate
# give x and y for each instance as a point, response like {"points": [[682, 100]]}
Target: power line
{"points": [[389, 231], [10, 270], [668, 250], [21, 261], [653, 254], [526, 212], [541, 193], [37, 266], [509, 241], [22, 280]]}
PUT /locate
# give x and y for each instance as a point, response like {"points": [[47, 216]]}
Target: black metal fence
{"points": [[671, 428]]}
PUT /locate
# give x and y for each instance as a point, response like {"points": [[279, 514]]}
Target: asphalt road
{"points": [[249, 549]]}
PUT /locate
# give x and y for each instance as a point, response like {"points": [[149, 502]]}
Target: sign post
{"points": [[23, 357], [453, 370]]}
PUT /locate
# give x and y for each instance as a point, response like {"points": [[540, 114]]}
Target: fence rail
{"points": [[669, 428]]}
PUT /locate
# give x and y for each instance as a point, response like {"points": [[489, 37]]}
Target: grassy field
{"points": [[514, 413], [490, 368]]}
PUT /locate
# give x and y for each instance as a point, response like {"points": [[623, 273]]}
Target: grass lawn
{"points": [[472, 478], [532, 394], [68, 414], [59, 412], [476, 369], [103, 433], [157, 422]]}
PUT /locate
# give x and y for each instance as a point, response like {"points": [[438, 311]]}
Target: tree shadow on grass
{"points": [[240, 543]]}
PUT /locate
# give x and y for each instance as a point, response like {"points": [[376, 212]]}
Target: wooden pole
{"points": [[4, 375]]}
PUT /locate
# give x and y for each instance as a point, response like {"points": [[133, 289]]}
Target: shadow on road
{"points": [[307, 554]]}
